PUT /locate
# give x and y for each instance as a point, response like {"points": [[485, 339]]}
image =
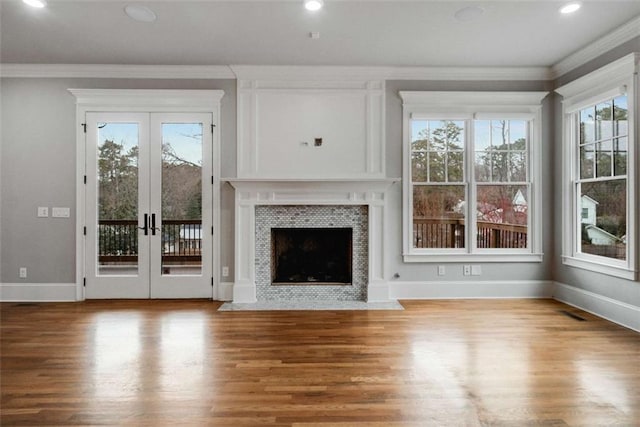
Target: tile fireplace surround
{"points": [[263, 204]]}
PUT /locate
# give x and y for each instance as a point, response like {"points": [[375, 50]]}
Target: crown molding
{"points": [[267, 72], [599, 47], [473, 99], [116, 71], [468, 73]]}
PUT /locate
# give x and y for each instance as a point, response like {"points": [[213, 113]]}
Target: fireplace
{"points": [[263, 205], [310, 237], [311, 256]]}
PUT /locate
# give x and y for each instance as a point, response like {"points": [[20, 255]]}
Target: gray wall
{"points": [[37, 168], [619, 289], [490, 271]]}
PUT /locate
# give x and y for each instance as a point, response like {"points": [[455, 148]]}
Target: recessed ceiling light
{"points": [[468, 13], [313, 5], [140, 13], [570, 8], [35, 3]]}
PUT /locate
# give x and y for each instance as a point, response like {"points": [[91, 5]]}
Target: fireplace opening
{"points": [[317, 256]]}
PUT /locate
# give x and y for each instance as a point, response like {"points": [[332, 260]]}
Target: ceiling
{"points": [[510, 33]]}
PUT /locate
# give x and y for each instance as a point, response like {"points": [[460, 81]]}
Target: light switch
{"points": [[60, 212], [43, 211]]}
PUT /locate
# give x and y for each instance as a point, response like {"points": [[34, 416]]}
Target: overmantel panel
{"points": [[310, 129]]}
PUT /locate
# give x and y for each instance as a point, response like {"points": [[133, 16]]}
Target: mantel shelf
{"points": [[311, 180], [359, 184]]}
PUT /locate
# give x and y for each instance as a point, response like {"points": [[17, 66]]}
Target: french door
{"points": [[149, 204]]}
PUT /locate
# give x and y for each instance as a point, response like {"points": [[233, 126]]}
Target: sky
{"points": [[185, 138], [482, 131]]}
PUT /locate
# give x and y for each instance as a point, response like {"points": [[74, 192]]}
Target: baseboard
{"points": [[225, 291], [619, 312], [471, 289], [37, 292]]}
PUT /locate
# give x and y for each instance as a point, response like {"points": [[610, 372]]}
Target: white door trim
{"points": [[134, 100]]}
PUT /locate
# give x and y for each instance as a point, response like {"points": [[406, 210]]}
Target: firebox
{"points": [[308, 256]]}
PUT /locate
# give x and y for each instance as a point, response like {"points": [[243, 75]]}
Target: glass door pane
{"points": [[181, 199], [117, 216]]}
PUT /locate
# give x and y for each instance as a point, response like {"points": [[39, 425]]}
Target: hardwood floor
{"points": [[437, 363]]}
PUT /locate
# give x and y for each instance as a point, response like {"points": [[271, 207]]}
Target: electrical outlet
{"points": [[466, 270], [23, 272], [225, 271], [43, 211], [441, 270], [476, 270]]}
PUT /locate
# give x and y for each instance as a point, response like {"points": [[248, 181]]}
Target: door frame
{"points": [[144, 101]]}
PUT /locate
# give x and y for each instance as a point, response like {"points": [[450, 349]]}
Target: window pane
{"points": [[182, 198], [118, 198], [500, 166], [587, 161], [419, 166], [620, 111], [483, 167], [437, 167], [518, 166], [437, 151], [502, 216], [603, 159], [419, 134], [604, 121], [447, 135], [518, 134], [500, 150], [455, 166], [482, 135], [499, 134], [587, 125], [604, 230], [620, 156], [438, 216]]}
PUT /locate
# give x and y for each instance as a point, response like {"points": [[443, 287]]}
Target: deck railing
{"points": [[118, 241], [450, 233]]}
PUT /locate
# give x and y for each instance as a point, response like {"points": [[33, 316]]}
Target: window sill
{"points": [[440, 257], [610, 270]]}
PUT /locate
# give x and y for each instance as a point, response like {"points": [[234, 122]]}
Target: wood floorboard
{"points": [[437, 363]]}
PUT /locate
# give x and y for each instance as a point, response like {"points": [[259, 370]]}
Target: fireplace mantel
{"points": [[278, 187], [252, 192]]}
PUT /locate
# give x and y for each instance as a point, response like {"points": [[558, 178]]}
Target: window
{"points": [[471, 169], [600, 211]]}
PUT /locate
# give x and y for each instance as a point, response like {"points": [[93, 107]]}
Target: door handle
{"points": [[146, 227], [153, 225]]}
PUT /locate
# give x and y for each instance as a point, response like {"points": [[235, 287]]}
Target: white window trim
{"points": [[474, 105], [605, 83]]}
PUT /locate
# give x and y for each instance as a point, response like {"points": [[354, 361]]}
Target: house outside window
{"points": [[599, 159], [471, 173]]}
